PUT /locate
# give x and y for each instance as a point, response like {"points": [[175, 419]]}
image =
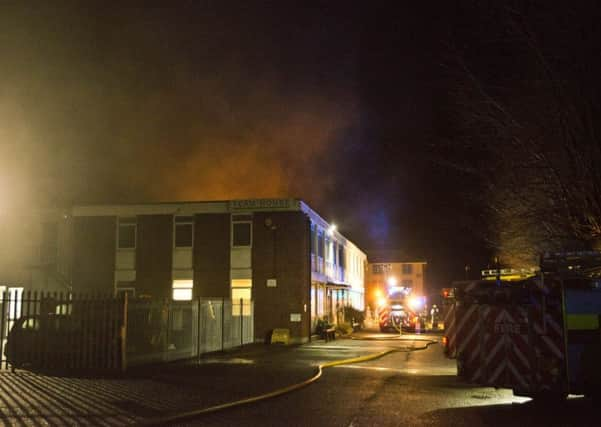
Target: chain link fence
{"points": [[174, 330]]}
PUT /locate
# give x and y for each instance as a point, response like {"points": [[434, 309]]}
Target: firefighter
{"points": [[434, 316]]}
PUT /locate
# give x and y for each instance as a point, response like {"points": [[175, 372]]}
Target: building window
{"points": [[407, 283], [182, 290], [320, 244], [313, 239], [341, 260], [407, 269], [184, 231], [335, 252], [377, 269], [241, 230], [241, 290], [126, 233]]}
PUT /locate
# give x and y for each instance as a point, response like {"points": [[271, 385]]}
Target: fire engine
{"points": [[539, 336], [401, 311]]}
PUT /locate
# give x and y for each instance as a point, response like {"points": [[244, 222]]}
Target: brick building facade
{"points": [[278, 252]]}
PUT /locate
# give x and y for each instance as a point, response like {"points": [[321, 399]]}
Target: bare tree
{"points": [[530, 128]]}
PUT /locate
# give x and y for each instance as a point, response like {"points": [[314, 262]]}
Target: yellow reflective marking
{"points": [[280, 336], [583, 321]]}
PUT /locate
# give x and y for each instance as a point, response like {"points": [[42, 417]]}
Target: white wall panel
{"points": [[182, 258], [240, 258], [125, 260]]}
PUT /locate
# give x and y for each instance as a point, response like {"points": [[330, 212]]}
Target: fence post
{"points": [[167, 307], [241, 323], [13, 317], [222, 320], [2, 327], [198, 330], [124, 335]]}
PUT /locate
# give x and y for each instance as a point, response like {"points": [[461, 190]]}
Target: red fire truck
{"points": [[401, 311], [539, 336]]}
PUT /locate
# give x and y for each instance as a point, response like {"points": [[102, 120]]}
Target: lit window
{"points": [[126, 233], [242, 293], [329, 250], [182, 290], [241, 290], [184, 231]]}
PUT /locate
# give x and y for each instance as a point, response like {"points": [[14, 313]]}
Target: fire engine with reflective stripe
{"points": [[536, 336]]}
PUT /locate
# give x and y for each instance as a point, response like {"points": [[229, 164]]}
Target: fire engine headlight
{"points": [[397, 307], [416, 303]]}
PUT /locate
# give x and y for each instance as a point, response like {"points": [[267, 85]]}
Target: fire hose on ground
{"points": [[198, 412]]}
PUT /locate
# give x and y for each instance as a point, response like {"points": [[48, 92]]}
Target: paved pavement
{"points": [[404, 388], [27, 398], [417, 388]]}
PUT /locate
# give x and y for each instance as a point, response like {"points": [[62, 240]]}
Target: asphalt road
{"points": [[404, 388]]}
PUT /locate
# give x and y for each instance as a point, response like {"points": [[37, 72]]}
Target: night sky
{"points": [[341, 105]]}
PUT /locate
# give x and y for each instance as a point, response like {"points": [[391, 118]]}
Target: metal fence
{"points": [[225, 324], [59, 330], [174, 330], [56, 330]]}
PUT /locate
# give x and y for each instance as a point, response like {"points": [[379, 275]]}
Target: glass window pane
{"points": [[127, 236], [183, 235], [246, 308], [241, 234], [182, 294], [183, 284], [241, 283], [240, 293], [320, 244]]}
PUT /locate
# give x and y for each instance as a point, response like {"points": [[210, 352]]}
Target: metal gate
{"points": [[43, 330]]}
